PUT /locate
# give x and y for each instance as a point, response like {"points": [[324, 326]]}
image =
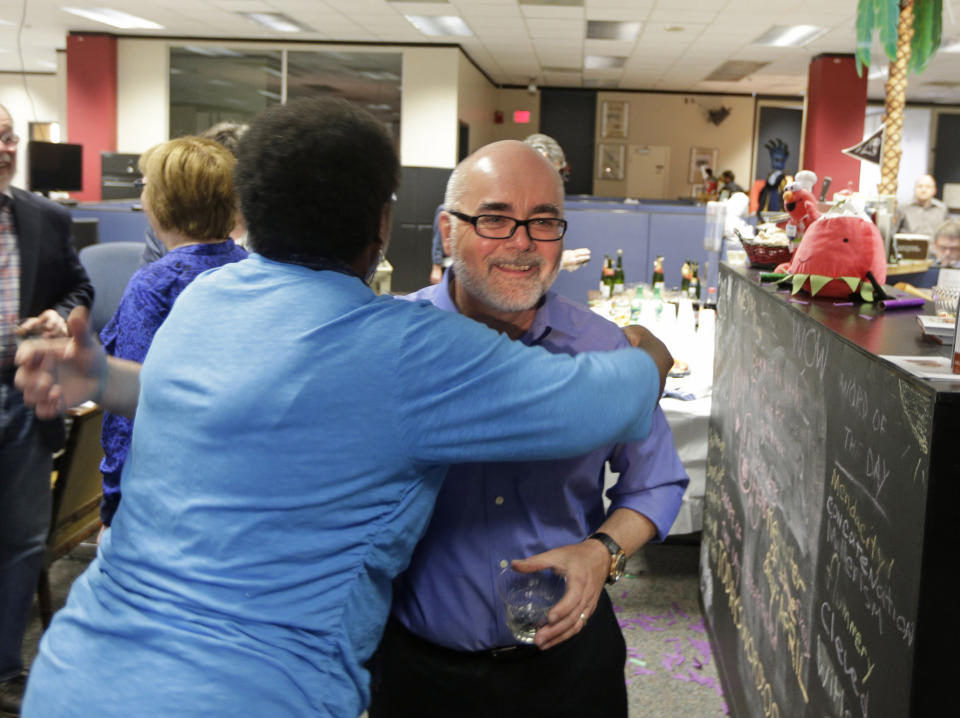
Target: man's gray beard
{"points": [[475, 287]]}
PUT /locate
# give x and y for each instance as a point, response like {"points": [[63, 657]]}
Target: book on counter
{"points": [[937, 327]]}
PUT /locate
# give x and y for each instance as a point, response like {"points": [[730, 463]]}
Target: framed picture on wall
{"points": [[700, 159], [610, 161], [615, 116]]}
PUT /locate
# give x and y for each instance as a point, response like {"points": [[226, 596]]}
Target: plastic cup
{"points": [[528, 598]]}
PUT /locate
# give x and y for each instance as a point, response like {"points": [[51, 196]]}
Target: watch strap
{"points": [[612, 546]]}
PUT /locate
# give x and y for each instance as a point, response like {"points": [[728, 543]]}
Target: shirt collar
{"points": [[542, 320]]}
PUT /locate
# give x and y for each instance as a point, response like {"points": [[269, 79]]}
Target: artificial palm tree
{"points": [[910, 35]]}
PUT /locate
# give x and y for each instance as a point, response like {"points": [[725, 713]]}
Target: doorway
{"points": [[647, 171]]}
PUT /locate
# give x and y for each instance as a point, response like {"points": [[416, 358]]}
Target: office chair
{"points": [[76, 495], [110, 266]]}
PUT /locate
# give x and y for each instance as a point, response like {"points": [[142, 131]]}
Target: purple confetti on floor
{"points": [[682, 657], [867, 316]]}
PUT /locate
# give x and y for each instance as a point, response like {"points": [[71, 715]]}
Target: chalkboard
{"points": [[817, 471]]}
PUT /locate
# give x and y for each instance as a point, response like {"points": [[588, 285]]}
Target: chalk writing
{"points": [[851, 662], [858, 557], [809, 345], [831, 682], [916, 407]]}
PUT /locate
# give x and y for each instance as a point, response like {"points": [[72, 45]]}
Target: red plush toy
{"points": [[836, 253], [800, 202]]}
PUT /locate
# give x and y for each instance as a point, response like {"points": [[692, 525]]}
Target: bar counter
{"points": [[830, 509]]}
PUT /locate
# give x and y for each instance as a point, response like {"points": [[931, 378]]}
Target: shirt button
{"points": [[504, 563], [498, 500]]}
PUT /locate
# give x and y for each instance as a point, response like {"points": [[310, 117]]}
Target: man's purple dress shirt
{"points": [[487, 514]]}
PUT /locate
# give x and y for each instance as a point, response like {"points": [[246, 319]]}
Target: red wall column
{"points": [[92, 103], [836, 106]]}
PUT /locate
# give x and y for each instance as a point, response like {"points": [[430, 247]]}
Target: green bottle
{"points": [[606, 277], [695, 281], [618, 274], [657, 282]]}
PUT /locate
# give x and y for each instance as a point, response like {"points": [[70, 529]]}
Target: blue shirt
{"points": [[146, 302], [489, 513], [292, 432]]}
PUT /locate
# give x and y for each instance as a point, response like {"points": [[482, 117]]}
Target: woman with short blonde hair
{"points": [[188, 188], [188, 196]]}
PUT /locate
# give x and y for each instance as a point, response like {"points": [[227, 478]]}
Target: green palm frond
{"points": [[928, 15], [883, 17]]}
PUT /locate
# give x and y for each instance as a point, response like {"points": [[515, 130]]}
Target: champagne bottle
{"points": [[618, 274], [657, 282], [695, 281], [685, 274], [606, 277]]}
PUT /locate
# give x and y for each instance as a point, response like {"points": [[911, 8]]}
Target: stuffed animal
{"points": [[800, 202], [837, 253]]}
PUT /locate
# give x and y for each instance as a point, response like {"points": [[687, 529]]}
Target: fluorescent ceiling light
{"points": [[276, 21], [734, 70], [603, 62], [612, 30], [114, 18], [439, 24], [790, 35]]}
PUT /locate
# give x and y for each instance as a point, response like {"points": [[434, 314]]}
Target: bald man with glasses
{"points": [[447, 649]]}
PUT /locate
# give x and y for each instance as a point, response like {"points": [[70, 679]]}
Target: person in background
{"points": [[728, 185], [925, 213], [447, 650], [41, 281], [189, 200], [946, 244], [227, 134], [572, 259], [292, 431], [709, 183]]}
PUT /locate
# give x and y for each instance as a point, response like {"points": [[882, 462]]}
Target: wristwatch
{"points": [[618, 559]]}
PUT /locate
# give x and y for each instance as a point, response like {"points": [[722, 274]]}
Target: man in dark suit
{"points": [[41, 280]]}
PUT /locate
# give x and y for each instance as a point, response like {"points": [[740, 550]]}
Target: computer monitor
{"points": [[118, 174], [54, 167]]}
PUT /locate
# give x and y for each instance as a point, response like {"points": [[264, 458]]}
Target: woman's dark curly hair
{"points": [[313, 178]]}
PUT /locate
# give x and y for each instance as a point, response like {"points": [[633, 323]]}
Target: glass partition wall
{"points": [[216, 84]]}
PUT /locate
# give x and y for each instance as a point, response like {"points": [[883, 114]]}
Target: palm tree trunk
{"points": [[896, 100]]}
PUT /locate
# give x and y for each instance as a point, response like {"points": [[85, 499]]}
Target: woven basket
{"points": [[766, 256]]}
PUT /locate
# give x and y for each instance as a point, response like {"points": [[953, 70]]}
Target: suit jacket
{"points": [[51, 276]]}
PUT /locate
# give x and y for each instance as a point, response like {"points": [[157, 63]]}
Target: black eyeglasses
{"points": [[497, 226], [139, 184]]}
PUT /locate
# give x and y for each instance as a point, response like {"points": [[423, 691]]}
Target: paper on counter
{"points": [[925, 367]]}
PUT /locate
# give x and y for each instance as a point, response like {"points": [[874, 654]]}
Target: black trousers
{"points": [[580, 678]]}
